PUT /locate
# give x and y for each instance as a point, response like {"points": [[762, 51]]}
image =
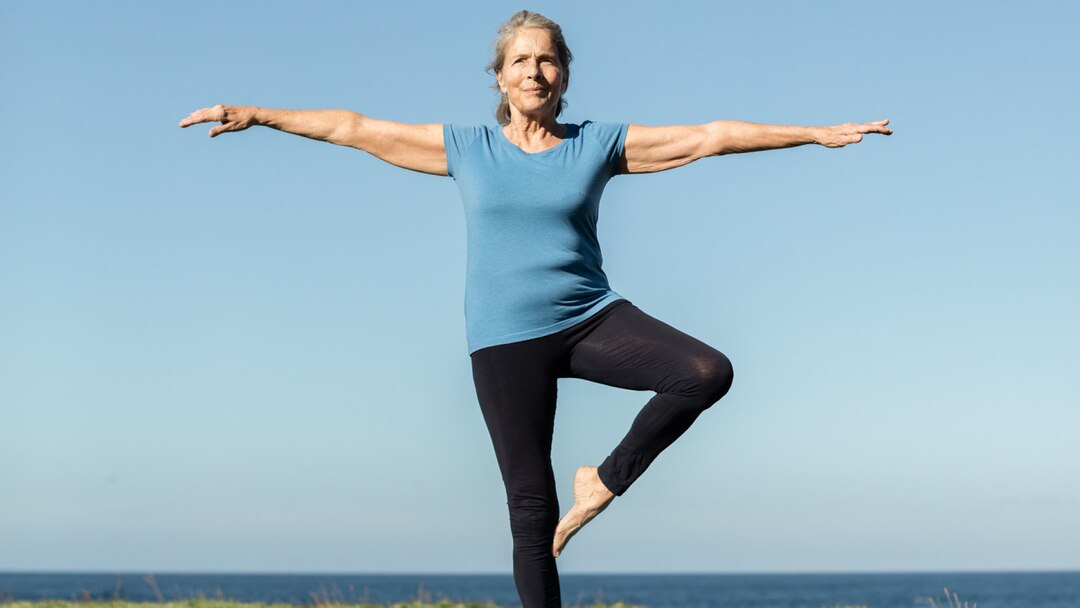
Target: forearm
{"points": [[331, 126], [734, 137]]}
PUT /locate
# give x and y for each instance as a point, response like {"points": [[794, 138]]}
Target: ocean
{"points": [[885, 590]]}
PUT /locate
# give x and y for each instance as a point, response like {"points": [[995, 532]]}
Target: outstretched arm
{"points": [[414, 147], [650, 149]]}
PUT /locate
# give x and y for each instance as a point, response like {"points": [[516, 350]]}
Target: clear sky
{"points": [[247, 353]]}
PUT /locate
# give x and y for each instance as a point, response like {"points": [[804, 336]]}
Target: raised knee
{"points": [[714, 377]]}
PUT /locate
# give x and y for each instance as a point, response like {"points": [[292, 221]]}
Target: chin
{"points": [[540, 108]]}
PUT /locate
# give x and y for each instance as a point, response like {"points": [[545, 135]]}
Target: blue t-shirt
{"points": [[533, 263]]}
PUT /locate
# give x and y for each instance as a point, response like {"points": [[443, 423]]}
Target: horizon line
{"points": [[121, 572]]}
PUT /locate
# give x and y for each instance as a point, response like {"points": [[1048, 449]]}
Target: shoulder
{"points": [[607, 140], [610, 135], [458, 138], [462, 142], [605, 132], [465, 132], [594, 127]]}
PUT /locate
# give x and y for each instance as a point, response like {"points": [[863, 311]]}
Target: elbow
{"points": [[350, 130], [715, 138]]}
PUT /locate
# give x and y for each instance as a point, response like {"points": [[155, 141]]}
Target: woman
{"points": [[538, 305]]}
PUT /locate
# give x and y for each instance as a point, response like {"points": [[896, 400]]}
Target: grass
{"points": [[207, 603], [229, 604], [204, 603], [323, 600], [951, 601]]}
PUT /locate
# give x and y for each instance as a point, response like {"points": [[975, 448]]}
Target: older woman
{"points": [[538, 305]]}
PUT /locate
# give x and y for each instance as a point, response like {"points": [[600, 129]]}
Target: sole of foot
{"points": [[591, 497]]}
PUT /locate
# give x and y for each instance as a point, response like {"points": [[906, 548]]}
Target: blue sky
{"points": [[247, 353]]}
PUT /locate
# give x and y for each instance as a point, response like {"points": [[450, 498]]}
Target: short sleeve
{"points": [[611, 136], [456, 141]]}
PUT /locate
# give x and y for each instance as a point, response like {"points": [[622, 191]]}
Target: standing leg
{"points": [[516, 387], [630, 349]]}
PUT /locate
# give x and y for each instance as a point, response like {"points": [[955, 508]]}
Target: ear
{"points": [[566, 80], [502, 83]]}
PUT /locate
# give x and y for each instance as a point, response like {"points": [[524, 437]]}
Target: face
{"points": [[531, 75]]}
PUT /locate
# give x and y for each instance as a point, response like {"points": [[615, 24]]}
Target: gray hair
{"points": [[524, 19]]}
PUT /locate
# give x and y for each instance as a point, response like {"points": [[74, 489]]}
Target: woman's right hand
{"points": [[850, 133], [232, 118]]}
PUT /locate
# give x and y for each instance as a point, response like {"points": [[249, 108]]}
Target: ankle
{"points": [[600, 482]]}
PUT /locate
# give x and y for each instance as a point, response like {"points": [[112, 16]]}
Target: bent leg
{"points": [[516, 387], [630, 349]]}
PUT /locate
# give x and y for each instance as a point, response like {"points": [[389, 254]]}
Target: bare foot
{"points": [[591, 497]]}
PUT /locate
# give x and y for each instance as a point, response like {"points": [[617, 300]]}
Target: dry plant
{"points": [[953, 601], [150, 580]]}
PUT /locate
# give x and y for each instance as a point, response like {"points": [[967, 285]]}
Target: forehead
{"points": [[531, 40]]}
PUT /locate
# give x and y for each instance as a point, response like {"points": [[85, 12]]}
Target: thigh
{"points": [[516, 385], [630, 349]]}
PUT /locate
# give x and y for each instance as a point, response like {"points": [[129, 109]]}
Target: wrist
{"points": [[258, 115]]}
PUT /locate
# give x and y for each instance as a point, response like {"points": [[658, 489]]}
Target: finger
{"points": [[198, 116], [190, 120], [213, 114], [874, 127]]}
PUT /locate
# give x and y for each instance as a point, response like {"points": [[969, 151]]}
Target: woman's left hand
{"points": [[850, 133]]}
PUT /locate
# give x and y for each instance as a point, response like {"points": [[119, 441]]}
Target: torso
{"points": [[534, 265]]}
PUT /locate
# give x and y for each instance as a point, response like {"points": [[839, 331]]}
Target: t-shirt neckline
{"points": [[561, 143]]}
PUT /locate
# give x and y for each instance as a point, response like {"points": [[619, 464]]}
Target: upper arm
{"points": [[416, 147], [650, 149]]}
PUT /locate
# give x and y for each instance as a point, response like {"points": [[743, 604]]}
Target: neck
{"points": [[525, 130]]}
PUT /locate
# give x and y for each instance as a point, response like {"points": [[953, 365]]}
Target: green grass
{"points": [[202, 603], [206, 603], [322, 601]]}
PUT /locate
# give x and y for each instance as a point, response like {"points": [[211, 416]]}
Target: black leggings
{"points": [[516, 386]]}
